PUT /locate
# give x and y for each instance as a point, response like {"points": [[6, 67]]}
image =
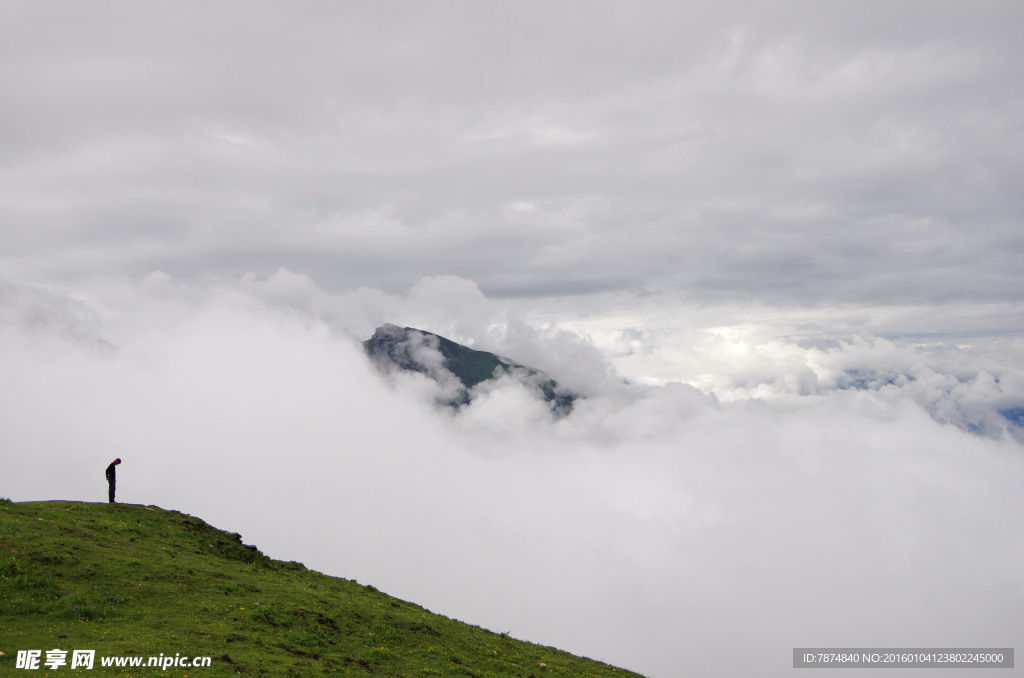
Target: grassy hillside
{"points": [[129, 580]]}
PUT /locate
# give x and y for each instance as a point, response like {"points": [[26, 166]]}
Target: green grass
{"points": [[128, 580]]}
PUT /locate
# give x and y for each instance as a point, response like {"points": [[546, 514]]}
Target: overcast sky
{"points": [[779, 245], [784, 152]]}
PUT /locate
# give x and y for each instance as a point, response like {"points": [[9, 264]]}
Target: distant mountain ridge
{"points": [[457, 368]]}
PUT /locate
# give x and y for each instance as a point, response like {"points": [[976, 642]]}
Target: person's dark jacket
{"points": [[112, 472]]}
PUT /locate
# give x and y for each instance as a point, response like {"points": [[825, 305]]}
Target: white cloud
{"points": [[654, 527]]}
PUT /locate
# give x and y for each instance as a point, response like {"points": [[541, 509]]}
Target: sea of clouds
{"points": [[727, 491]]}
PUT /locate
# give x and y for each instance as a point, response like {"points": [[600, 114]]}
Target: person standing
{"points": [[112, 479]]}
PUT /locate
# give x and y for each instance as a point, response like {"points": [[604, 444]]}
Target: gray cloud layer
{"points": [[792, 153]]}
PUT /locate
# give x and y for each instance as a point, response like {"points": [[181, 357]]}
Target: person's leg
{"points": [[110, 492]]}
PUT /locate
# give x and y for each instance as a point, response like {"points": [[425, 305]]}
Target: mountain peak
{"points": [[458, 369]]}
